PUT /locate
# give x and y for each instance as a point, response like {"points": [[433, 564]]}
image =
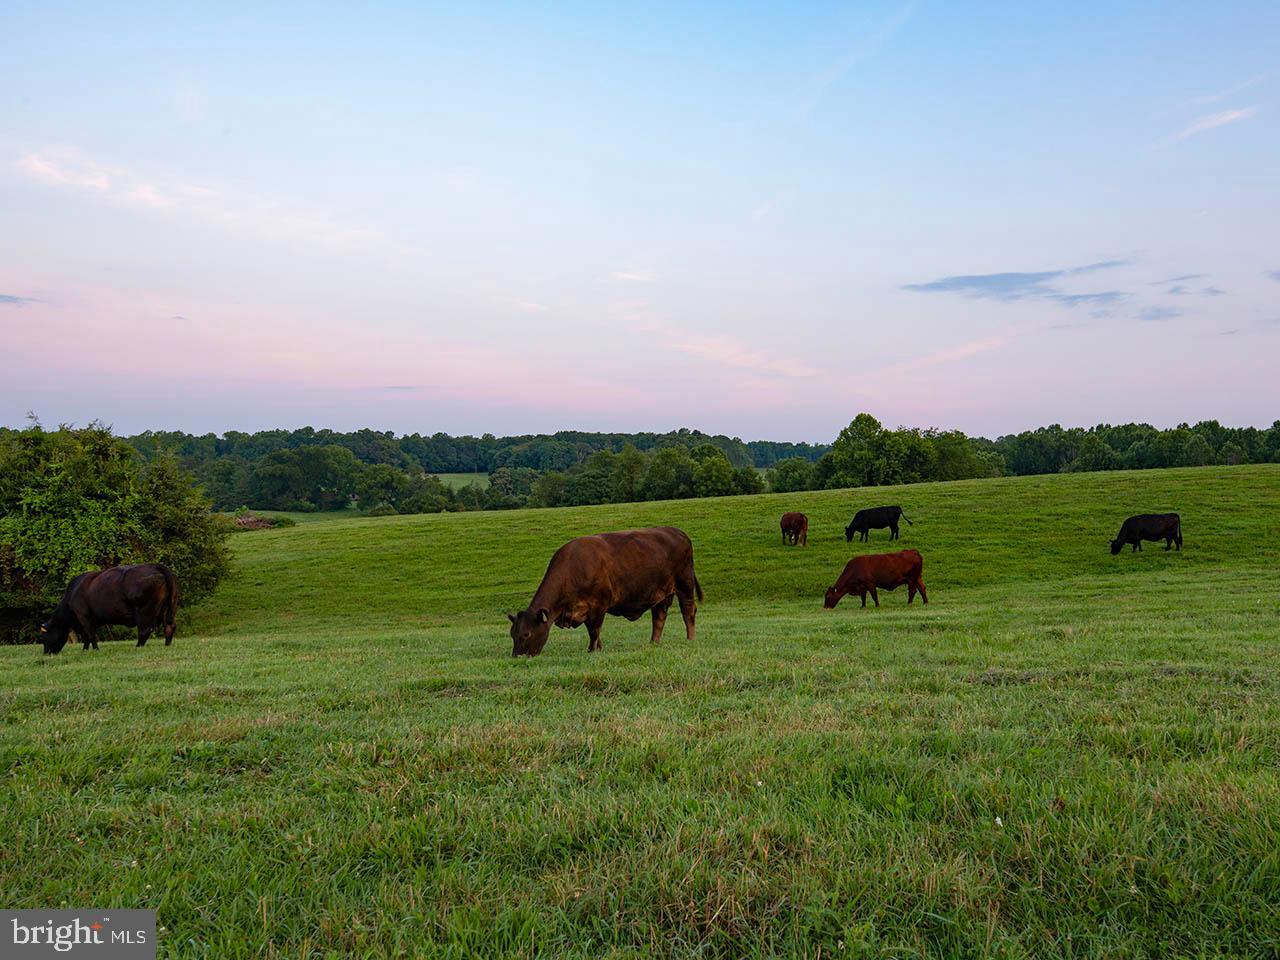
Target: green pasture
{"points": [[1065, 753], [458, 480]]}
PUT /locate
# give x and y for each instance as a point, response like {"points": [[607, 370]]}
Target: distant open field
{"points": [[315, 516], [1065, 753], [457, 480]]}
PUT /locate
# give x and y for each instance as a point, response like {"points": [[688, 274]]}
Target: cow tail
{"points": [[697, 587], [171, 594], [1179, 531], [906, 518]]}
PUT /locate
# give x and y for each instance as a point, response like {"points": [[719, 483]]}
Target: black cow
{"points": [[144, 595], [1149, 526], [875, 518]]}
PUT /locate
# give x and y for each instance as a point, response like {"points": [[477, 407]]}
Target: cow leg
{"points": [[875, 596], [924, 597], [893, 531], [660, 618], [689, 611], [864, 599], [168, 633], [144, 634], [593, 631], [911, 592], [1168, 543]]}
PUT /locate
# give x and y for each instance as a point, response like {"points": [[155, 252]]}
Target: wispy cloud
{"points": [[1013, 287], [1212, 291], [1180, 279], [69, 169], [633, 276], [854, 55], [724, 350], [17, 301], [1208, 98], [1274, 275], [1215, 120], [949, 355], [66, 170], [1156, 314]]}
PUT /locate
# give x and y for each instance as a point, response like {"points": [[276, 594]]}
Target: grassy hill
{"points": [[1064, 753]]}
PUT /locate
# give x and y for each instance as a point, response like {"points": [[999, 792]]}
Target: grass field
{"points": [[1064, 754], [457, 480], [316, 516]]}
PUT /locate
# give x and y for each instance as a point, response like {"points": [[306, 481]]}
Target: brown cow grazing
{"points": [[144, 595], [884, 571], [627, 574], [795, 529]]}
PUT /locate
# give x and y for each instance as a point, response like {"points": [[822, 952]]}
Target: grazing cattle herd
{"points": [[626, 574]]}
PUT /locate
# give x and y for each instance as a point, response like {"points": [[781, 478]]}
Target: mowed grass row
{"points": [[1064, 753]]}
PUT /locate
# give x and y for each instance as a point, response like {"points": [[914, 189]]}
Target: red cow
{"points": [[863, 575], [795, 529]]}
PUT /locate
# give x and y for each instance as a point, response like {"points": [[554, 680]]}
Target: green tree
{"points": [[548, 490], [329, 475], [382, 483], [628, 475], [713, 474], [670, 474], [73, 500], [592, 481], [792, 474], [747, 480], [853, 455], [176, 528], [426, 493]]}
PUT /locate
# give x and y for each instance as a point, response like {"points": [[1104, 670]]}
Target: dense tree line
{"points": [[321, 469], [1135, 446], [73, 500], [236, 467]]}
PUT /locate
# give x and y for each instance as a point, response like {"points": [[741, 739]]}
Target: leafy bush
{"points": [[73, 500]]}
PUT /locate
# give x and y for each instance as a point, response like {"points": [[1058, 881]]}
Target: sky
{"points": [[755, 219]]}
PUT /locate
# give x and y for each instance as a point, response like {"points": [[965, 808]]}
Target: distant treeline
{"points": [[323, 470], [253, 468]]}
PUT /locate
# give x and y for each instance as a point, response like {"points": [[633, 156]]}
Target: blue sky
{"points": [[756, 219]]}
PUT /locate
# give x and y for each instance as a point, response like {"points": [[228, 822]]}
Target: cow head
{"points": [[1116, 546], [529, 629], [53, 637], [848, 533], [832, 598]]}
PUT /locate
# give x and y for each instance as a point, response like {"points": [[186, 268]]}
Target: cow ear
{"points": [[543, 616], [511, 617]]}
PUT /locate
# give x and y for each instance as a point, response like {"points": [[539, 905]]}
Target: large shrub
{"points": [[78, 499]]}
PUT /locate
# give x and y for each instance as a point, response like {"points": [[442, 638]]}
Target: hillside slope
{"points": [[1064, 753]]}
